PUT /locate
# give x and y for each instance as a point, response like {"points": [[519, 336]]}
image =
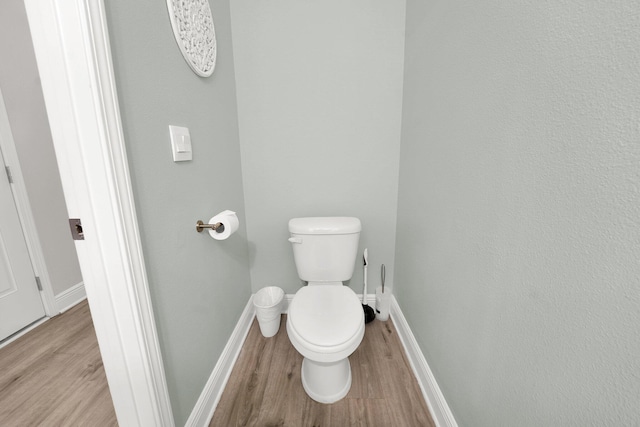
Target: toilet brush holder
{"points": [[383, 303]]}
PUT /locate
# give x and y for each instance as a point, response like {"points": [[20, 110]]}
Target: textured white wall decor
{"points": [[195, 34]]}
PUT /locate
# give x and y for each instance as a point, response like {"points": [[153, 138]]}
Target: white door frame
{"points": [[73, 54], [8, 148]]}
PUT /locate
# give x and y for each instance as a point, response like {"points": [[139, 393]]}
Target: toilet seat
{"points": [[325, 323]]}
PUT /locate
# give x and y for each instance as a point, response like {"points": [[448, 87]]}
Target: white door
{"points": [[20, 302]]}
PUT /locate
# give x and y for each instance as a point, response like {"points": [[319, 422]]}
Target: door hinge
{"points": [[38, 283], [9, 176]]}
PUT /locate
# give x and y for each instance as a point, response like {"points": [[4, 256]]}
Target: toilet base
{"points": [[326, 382]]}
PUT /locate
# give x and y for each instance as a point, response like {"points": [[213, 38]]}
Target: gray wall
{"points": [[319, 103], [199, 286], [22, 94], [519, 205]]}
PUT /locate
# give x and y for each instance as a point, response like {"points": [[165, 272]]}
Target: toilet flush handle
{"points": [[295, 239]]}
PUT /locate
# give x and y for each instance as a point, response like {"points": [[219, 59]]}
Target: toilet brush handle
{"points": [[365, 261], [365, 283]]}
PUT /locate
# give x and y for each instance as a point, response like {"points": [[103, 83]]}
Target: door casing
{"points": [[72, 49]]}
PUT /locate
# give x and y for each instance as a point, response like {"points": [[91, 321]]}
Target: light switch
{"points": [[180, 143], [184, 144]]}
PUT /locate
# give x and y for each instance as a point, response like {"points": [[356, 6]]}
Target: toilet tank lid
{"points": [[325, 225]]}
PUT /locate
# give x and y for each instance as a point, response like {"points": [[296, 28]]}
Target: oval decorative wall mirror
{"points": [[193, 29]]}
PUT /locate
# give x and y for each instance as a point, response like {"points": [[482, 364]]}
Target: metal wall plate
{"points": [[76, 229]]}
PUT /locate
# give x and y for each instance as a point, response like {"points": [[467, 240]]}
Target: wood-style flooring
{"points": [[265, 389], [53, 376]]}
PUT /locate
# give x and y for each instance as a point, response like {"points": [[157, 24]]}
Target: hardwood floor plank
{"points": [[366, 362], [30, 348], [369, 413], [252, 365], [405, 399], [53, 375], [266, 389], [282, 382]]}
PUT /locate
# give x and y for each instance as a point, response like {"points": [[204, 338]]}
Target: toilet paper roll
{"points": [[230, 222]]}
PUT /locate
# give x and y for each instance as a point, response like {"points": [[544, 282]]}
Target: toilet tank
{"points": [[325, 248]]}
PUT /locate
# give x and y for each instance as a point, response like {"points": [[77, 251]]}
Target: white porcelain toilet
{"points": [[325, 321]]}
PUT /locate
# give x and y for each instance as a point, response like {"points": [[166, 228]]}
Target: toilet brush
{"points": [[369, 314]]}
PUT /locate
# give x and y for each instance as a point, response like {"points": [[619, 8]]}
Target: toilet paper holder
{"points": [[218, 227]]}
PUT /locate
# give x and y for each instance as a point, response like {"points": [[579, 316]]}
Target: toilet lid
{"points": [[326, 315]]}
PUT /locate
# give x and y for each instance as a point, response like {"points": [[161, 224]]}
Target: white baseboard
{"points": [[442, 415], [287, 300], [72, 296], [371, 300], [205, 406]]}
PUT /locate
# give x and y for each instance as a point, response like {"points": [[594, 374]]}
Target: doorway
{"points": [[39, 270], [20, 302], [35, 194]]}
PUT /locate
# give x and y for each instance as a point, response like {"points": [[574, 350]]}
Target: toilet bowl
{"points": [[325, 322]]}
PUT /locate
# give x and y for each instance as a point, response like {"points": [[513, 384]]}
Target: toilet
{"points": [[325, 321]]}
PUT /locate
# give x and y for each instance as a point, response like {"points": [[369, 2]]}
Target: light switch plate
{"points": [[180, 143]]}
